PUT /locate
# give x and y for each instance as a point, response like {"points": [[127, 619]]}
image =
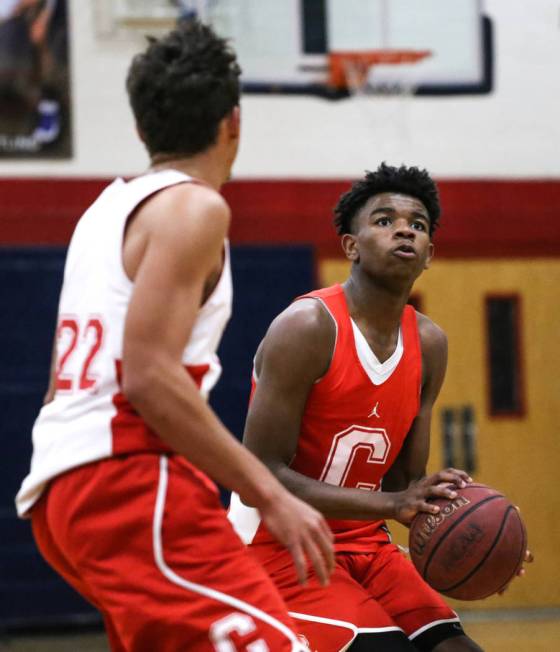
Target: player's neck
{"points": [[206, 167], [378, 305]]}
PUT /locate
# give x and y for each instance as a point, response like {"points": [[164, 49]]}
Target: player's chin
{"points": [[406, 268]]}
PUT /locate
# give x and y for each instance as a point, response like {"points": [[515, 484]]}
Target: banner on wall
{"points": [[34, 79]]}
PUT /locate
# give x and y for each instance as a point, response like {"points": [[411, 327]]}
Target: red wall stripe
{"points": [[480, 217]]}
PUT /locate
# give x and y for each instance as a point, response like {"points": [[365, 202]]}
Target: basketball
{"points": [[473, 547]]}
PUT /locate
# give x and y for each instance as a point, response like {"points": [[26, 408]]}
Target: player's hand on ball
{"points": [[439, 485], [304, 532]]}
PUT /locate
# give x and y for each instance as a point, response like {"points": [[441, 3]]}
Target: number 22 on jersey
{"points": [[78, 345]]}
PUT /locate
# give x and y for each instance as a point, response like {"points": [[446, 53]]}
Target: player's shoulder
{"points": [[200, 194], [190, 211], [304, 334], [432, 336], [305, 317], [298, 343], [196, 200]]}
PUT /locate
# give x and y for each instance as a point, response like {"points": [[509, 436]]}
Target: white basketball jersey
{"points": [[90, 418]]}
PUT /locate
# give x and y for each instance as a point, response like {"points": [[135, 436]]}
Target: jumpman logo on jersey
{"points": [[374, 412]]}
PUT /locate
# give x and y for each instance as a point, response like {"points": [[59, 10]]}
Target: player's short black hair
{"points": [[404, 180], [181, 87]]}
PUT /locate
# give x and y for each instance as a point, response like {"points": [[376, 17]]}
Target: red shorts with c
{"points": [[145, 539], [379, 594]]}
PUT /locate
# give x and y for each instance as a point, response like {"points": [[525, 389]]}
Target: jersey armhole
{"points": [[131, 216], [327, 309], [412, 316]]}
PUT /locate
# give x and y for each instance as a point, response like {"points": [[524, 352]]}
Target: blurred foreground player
{"points": [[119, 501], [344, 384]]}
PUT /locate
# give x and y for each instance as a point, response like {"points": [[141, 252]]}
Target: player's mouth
{"points": [[405, 251]]}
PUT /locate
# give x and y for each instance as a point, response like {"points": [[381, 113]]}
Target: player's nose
{"points": [[403, 229]]}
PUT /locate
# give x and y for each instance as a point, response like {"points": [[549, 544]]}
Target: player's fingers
{"points": [[298, 557], [324, 538], [443, 491], [429, 508], [327, 530], [456, 476], [460, 472], [318, 561], [452, 474]]}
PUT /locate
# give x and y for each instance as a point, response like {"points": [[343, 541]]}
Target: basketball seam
{"points": [[481, 562], [522, 554], [444, 536]]}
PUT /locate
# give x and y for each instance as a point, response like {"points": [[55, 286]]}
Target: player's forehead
{"points": [[395, 202]]}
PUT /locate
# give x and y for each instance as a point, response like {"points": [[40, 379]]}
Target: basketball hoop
{"points": [[381, 83], [352, 70]]}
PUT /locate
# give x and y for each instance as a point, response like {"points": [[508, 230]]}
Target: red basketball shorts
{"points": [[369, 593], [145, 539]]}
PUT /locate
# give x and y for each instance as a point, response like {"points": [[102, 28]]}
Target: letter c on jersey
{"points": [[348, 447], [240, 624]]}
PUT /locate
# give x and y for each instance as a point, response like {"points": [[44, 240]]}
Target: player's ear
{"points": [[431, 251], [350, 247], [234, 122]]}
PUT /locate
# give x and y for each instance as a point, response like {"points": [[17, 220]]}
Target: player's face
{"points": [[391, 237]]}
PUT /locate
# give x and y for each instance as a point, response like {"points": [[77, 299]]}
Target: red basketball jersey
{"points": [[356, 418]]}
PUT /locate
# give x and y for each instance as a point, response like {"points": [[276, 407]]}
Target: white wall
{"points": [[513, 132]]}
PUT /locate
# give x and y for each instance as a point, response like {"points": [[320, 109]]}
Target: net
{"points": [[381, 84], [355, 71]]}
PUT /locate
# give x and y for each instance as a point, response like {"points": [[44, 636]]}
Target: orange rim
{"points": [[363, 60]]}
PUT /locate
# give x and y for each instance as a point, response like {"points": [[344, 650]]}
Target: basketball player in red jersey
{"points": [[117, 493], [344, 384]]}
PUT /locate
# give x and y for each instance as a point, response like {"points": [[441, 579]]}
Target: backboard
{"points": [[284, 45]]}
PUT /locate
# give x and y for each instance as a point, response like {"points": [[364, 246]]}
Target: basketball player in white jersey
{"points": [[117, 493]]}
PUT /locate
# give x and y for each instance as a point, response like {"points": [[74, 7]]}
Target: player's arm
{"points": [[409, 469], [294, 354], [182, 251], [411, 462]]}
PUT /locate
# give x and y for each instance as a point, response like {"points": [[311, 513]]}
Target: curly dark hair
{"points": [[411, 181], [181, 87]]}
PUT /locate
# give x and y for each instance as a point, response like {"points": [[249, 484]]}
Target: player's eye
{"points": [[383, 221], [418, 225]]}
